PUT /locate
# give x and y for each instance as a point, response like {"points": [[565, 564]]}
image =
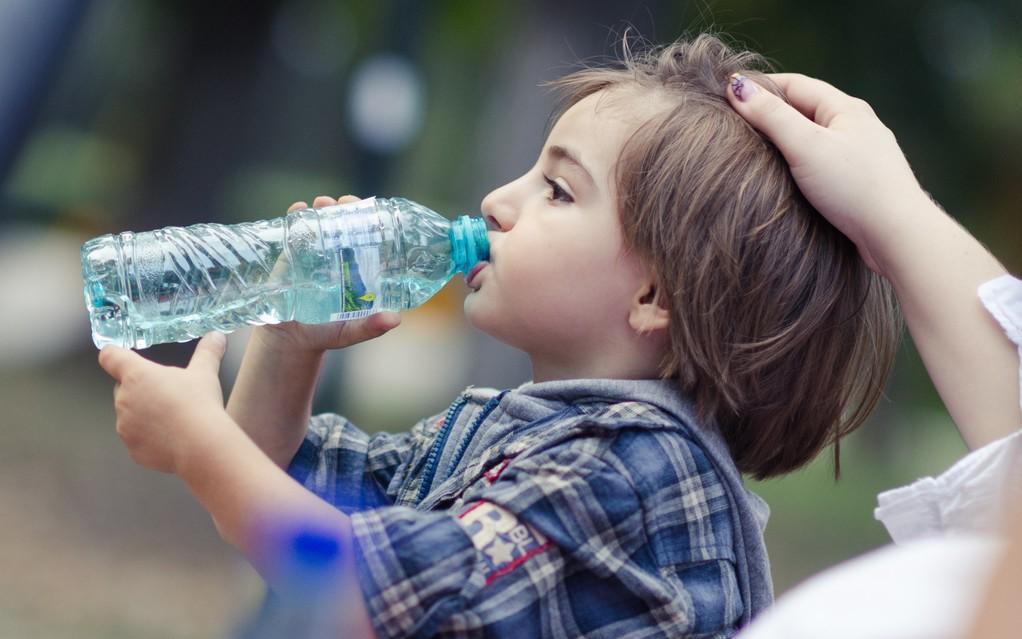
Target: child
{"points": [[688, 316]]}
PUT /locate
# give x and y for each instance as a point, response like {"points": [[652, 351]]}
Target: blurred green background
{"points": [[136, 114]]}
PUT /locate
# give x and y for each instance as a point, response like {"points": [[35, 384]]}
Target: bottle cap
{"points": [[469, 243]]}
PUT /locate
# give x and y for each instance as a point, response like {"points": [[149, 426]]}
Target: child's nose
{"points": [[497, 210]]}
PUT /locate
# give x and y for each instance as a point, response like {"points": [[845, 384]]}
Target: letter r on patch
{"points": [[503, 541]]}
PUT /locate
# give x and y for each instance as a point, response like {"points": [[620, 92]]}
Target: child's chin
{"points": [[474, 313], [482, 317]]}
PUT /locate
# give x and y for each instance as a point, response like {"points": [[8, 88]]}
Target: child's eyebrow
{"points": [[558, 152]]}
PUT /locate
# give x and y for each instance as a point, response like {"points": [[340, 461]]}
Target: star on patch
{"points": [[503, 541], [500, 552]]}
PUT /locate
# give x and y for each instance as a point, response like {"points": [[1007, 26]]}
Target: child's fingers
{"points": [[385, 321], [781, 122], [116, 360], [209, 352], [356, 331], [323, 200]]}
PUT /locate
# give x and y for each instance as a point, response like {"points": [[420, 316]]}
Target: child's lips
{"points": [[474, 272]]}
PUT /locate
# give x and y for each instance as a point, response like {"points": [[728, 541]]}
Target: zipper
{"points": [[498, 451], [463, 445], [438, 445]]}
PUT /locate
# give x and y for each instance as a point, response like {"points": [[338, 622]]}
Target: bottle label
{"points": [[360, 240]]}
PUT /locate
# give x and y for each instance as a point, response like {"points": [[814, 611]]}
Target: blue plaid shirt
{"points": [[517, 515]]}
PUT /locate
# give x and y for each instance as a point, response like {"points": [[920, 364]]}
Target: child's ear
{"points": [[646, 315]]}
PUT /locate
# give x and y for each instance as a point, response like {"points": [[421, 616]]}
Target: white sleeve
{"points": [[967, 498], [970, 496], [1003, 298]]}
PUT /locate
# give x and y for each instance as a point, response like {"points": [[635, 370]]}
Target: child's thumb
{"points": [[209, 352], [782, 123]]}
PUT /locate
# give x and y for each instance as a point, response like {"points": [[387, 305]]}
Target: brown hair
{"points": [[778, 331]]}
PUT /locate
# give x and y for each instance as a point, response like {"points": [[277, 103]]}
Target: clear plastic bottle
{"points": [[313, 265]]}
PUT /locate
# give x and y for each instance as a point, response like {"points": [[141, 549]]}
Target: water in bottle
{"points": [[314, 265]]}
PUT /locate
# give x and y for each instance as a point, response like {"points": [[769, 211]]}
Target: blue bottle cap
{"points": [[469, 244]]}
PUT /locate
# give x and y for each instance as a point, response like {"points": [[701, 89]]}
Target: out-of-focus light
{"points": [[386, 103], [43, 309], [956, 38]]}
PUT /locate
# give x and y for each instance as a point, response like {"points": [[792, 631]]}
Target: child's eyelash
{"points": [[556, 192]]}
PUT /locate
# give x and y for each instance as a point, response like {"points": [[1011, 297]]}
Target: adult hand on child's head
{"points": [[846, 162], [294, 336], [163, 412]]}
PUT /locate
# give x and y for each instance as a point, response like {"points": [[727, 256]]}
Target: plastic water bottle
{"points": [[313, 265]]}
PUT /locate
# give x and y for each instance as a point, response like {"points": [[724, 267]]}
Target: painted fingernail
{"points": [[742, 87]]}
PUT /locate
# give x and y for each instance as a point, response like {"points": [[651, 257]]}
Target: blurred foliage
{"points": [[172, 113]]}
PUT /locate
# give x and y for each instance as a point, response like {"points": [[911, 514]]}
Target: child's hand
{"points": [[164, 412], [845, 161], [294, 336]]}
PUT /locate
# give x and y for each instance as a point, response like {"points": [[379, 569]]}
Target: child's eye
{"points": [[556, 192]]}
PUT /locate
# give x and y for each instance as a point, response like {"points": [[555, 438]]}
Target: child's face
{"points": [[559, 285]]}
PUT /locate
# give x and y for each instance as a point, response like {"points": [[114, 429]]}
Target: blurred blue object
{"points": [[311, 604], [313, 555], [34, 36]]}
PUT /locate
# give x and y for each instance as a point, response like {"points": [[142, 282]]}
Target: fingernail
{"points": [[742, 87]]}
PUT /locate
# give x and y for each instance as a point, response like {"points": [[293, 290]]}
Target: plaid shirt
{"points": [[504, 518]]}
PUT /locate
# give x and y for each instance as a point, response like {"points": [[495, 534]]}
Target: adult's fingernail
{"points": [[742, 87]]}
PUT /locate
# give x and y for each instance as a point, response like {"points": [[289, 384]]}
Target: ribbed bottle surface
{"points": [[314, 265]]}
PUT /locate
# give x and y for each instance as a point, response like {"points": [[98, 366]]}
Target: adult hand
{"points": [[296, 337], [849, 166], [846, 162], [165, 412]]}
